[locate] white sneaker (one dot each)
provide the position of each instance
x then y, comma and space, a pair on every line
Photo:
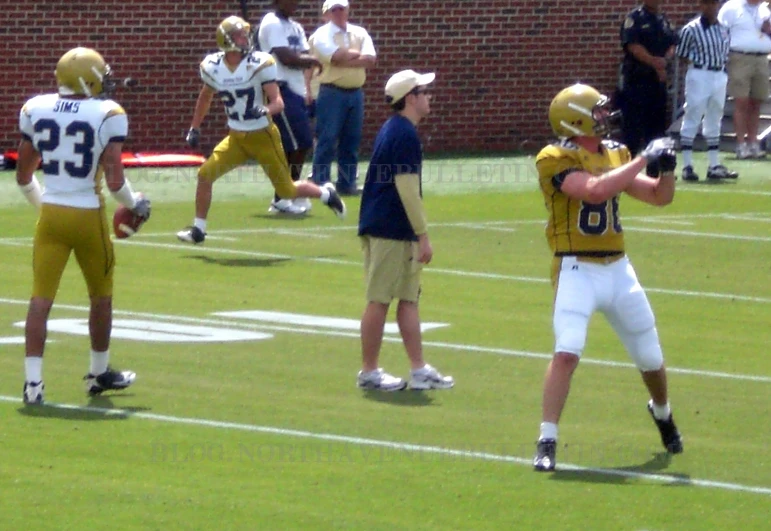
756, 152
303, 202
379, 380
743, 151
33, 392
429, 378
286, 206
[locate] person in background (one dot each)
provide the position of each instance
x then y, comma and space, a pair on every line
284, 38
346, 51
749, 23
247, 79
649, 42
703, 42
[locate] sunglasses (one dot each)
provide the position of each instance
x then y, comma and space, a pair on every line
336, 9
419, 91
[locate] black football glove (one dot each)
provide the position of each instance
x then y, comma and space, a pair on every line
657, 148
193, 137
142, 208
668, 161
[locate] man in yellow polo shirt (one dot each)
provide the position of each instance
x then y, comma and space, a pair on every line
346, 52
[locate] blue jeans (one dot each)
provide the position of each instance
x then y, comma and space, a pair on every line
339, 121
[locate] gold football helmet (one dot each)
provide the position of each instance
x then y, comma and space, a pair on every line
580, 110
234, 34
83, 71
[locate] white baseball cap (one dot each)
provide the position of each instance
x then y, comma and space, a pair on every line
329, 4
401, 83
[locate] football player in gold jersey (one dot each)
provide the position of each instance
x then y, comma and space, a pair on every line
582, 177
75, 136
245, 81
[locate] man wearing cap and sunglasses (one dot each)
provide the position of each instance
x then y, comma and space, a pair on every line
345, 51
394, 237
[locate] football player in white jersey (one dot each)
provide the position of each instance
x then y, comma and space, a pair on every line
284, 38
75, 136
245, 81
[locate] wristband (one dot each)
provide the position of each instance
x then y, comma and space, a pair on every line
32, 192
125, 196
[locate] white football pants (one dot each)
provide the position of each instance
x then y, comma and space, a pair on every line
705, 92
613, 289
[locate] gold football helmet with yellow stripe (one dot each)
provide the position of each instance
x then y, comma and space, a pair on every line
580, 110
83, 71
234, 34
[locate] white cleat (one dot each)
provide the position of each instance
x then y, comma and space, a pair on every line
379, 380
287, 206
429, 378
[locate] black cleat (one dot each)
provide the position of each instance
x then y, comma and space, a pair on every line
334, 202
108, 380
545, 455
690, 175
670, 437
721, 172
191, 234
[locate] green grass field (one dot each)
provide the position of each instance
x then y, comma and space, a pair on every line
254, 422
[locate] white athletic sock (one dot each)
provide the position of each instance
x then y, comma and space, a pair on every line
712, 154
200, 223
33, 368
99, 362
324, 195
660, 412
687, 157
548, 431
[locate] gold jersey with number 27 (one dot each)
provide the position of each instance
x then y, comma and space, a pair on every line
576, 227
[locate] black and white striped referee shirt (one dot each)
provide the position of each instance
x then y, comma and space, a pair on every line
705, 45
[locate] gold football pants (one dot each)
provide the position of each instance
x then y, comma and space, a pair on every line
61, 230
264, 146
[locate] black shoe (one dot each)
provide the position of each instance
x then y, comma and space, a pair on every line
108, 380
334, 202
191, 234
689, 174
670, 437
721, 172
545, 455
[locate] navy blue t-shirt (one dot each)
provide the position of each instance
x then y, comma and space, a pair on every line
397, 151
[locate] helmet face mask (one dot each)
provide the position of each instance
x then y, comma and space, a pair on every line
83, 72
580, 110
234, 34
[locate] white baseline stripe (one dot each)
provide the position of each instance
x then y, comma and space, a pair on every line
404, 447
436, 344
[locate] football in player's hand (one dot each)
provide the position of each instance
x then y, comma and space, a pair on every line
125, 223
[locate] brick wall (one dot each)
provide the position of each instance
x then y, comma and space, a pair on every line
498, 63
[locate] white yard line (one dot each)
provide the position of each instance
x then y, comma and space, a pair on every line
354, 335
449, 453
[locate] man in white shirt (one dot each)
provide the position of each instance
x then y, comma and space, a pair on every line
749, 22
346, 51
284, 38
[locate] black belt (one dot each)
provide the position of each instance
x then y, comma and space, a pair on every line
710, 68
749, 53
330, 85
